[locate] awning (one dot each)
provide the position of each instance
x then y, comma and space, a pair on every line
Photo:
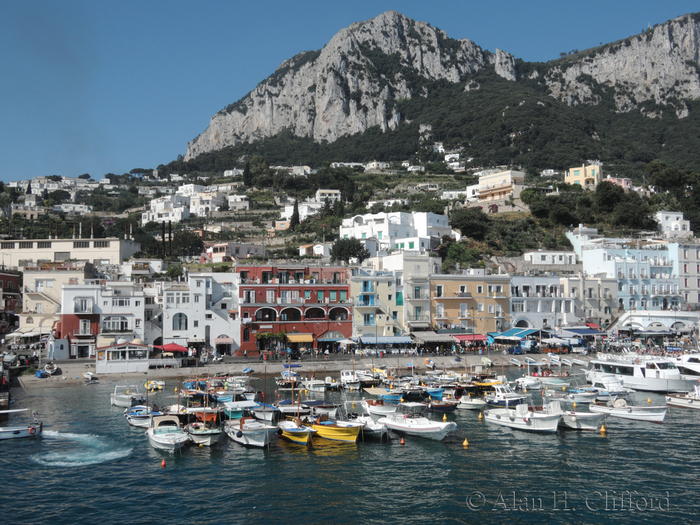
418, 324
300, 338
470, 337
223, 341
593, 325
196, 340
330, 339
520, 333
508, 337
432, 337
581, 331
386, 340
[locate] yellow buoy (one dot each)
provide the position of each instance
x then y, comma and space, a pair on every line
480, 415
465, 443
444, 417
201, 445
649, 400
563, 389
525, 390
602, 429
574, 405
175, 389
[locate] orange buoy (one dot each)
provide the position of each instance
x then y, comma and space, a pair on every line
402, 443
162, 463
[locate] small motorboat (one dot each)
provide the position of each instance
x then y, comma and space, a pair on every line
337, 431
154, 386
530, 382
470, 403
51, 368
410, 419
620, 408
377, 408
205, 430
521, 418
442, 406
503, 396
689, 400
249, 432
570, 419
33, 429
127, 395
356, 412
165, 433
140, 415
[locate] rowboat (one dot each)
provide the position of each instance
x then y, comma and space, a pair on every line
295, 432
570, 419
522, 418
249, 432
33, 429
470, 403
335, 431
51, 368
140, 415
620, 408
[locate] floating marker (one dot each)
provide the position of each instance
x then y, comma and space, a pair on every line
402, 444
574, 405
480, 415
162, 463
649, 400
465, 443
201, 445
602, 429
444, 417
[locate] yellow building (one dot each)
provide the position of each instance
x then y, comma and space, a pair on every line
474, 301
585, 176
378, 311
501, 185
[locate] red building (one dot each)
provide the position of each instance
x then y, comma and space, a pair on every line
10, 299
311, 304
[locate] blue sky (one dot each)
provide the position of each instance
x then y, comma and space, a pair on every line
107, 86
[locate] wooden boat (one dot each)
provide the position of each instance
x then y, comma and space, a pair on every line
356, 412
620, 408
51, 368
521, 418
165, 433
33, 429
442, 406
336, 432
249, 432
295, 432
206, 429
689, 400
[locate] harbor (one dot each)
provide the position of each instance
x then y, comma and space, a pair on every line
634, 471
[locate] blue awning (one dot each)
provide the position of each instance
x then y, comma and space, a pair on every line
582, 331
392, 340
515, 332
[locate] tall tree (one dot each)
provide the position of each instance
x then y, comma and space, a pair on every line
294, 221
346, 249
247, 176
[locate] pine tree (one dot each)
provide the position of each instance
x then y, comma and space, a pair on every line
247, 176
294, 221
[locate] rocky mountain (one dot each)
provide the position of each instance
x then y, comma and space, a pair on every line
358, 80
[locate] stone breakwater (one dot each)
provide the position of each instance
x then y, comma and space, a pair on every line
71, 372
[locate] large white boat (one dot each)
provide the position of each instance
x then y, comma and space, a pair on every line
33, 429
620, 408
689, 400
249, 432
609, 387
377, 408
641, 372
689, 366
521, 418
164, 433
126, 395
409, 419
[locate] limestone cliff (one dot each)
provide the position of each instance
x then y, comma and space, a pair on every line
352, 84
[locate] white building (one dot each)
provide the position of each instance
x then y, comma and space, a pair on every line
204, 203
323, 195
306, 210
672, 224
540, 302
238, 202
171, 208
416, 230
233, 173
377, 165
197, 311
73, 209
550, 258
190, 190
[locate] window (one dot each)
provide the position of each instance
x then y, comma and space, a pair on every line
491, 309
462, 288
368, 319
480, 289
208, 316
115, 323
463, 310
438, 290
101, 244
196, 298
440, 310
180, 321
480, 307
399, 298
307, 294
332, 296
137, 323
195, 324
246, 335
81, 244
43, 244
121, 302
343, 296
319, 296
270, 296
26, 245
7, 245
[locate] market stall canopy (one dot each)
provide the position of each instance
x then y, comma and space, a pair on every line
171, 347
345, 342
432, 337
520, 333
300, 338
470, 337
386, 340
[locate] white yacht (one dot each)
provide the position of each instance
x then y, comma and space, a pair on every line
689, 366
641, 372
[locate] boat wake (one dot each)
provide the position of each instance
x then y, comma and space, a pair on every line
81, 450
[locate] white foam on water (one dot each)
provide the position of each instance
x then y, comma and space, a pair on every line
92, 451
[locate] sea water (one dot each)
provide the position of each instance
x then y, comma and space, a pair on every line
91, 467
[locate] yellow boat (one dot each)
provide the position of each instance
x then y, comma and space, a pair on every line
153, 386
341, 431
294, 432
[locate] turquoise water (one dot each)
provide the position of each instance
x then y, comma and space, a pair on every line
91, 466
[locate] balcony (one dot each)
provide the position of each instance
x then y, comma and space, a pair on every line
465, 295
79, 332
423, 296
